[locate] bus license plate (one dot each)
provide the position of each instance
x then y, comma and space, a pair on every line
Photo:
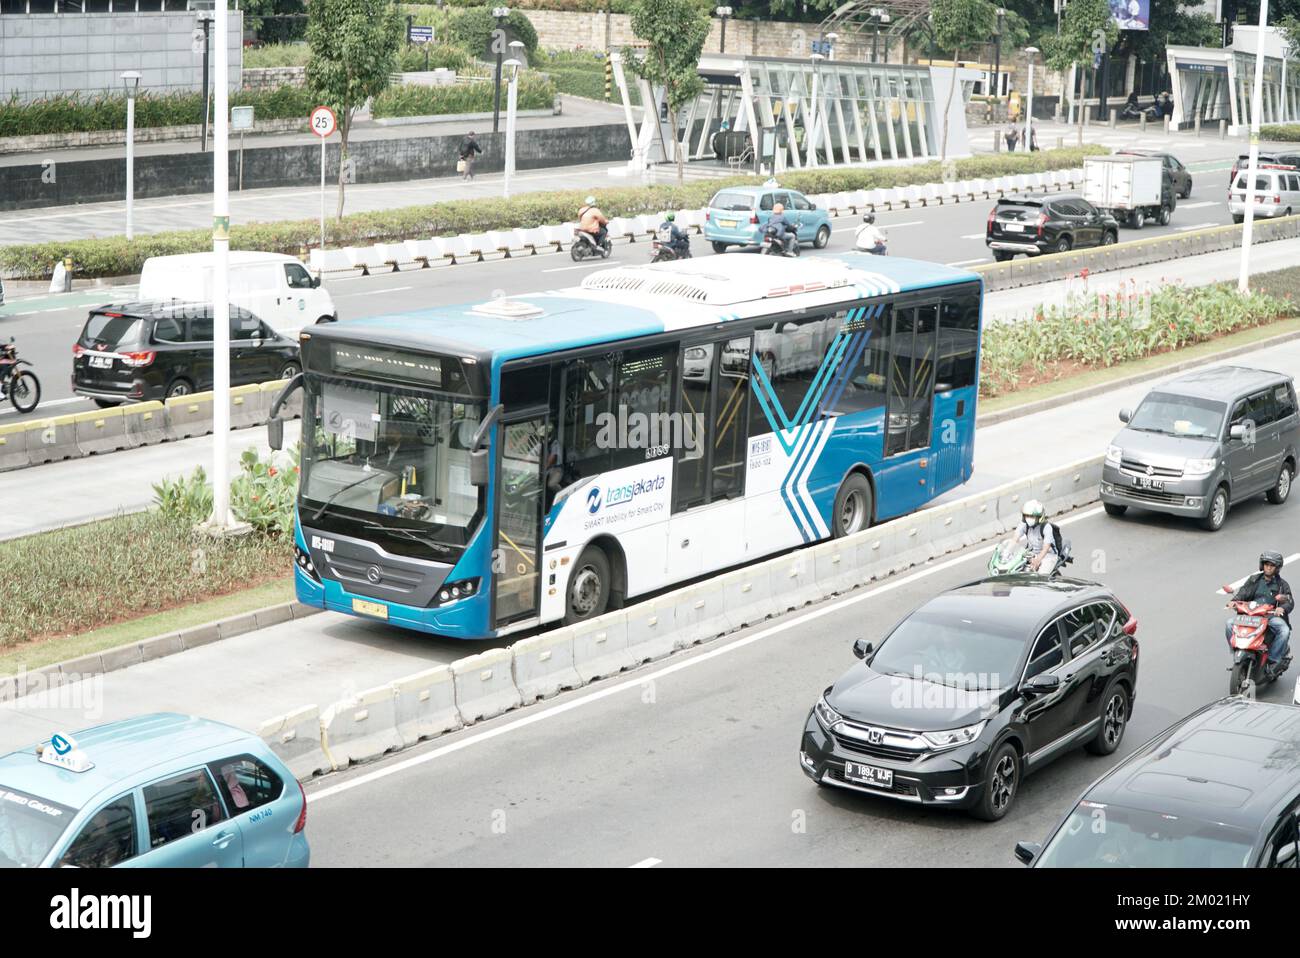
868, 775
727, 223
1142, 482
370, 608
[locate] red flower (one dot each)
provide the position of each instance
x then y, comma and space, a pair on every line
255, 498
295, 470
1171, 326
271, 472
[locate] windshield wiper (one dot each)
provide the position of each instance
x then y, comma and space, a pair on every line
415, 535
330, 501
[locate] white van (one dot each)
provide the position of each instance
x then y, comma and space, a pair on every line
273, 287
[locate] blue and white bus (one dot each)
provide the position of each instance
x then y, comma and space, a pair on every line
475, 471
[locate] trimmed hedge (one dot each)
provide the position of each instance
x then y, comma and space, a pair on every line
113, 256
81, 114
573, 6
1282, 133
446, 56
535, 93
472, 28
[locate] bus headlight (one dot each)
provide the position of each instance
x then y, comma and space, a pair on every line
451, 592
304, 563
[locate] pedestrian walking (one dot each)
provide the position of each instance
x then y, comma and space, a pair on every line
1033, 135
469, 148
1012, 136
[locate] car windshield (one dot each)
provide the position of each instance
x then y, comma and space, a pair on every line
392, 459
1179, 416
1112, 836
734, 202
965, 652
29, 827
112, 331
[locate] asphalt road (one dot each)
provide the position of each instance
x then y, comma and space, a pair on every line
693, 761
45, 327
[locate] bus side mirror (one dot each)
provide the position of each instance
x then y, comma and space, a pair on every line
275, 433
478, 467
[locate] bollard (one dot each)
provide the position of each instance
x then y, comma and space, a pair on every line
997, 141
1166, 121
1196, 125
1114, 117
1223, 129
1087, 115
1060, 142
1142, 122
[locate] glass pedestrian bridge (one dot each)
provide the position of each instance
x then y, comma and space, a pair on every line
771, 114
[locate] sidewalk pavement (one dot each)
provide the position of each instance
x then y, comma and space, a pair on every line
320, 659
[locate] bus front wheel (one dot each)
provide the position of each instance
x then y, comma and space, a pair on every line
589, 586
852, 506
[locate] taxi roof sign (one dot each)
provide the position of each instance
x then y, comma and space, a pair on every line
62, 752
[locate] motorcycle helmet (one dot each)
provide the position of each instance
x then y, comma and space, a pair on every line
670, 217
869, 218
1032, 512
1274, 558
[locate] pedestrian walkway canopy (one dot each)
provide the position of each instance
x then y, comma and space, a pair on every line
1217, 85
776, 113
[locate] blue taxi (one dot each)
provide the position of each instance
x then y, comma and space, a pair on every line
736, 215
157, 791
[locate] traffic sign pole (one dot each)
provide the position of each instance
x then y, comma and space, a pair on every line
322, 123
322, 199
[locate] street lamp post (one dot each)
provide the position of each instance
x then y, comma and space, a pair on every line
500, 13
878, 16
131, 81
997, 57
813, 118
512, 101
1029, 100
830, 49
1252, 165
220, 274
723, 13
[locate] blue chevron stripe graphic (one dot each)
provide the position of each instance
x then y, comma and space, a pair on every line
789, 492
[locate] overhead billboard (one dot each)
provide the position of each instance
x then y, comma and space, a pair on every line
1131, 14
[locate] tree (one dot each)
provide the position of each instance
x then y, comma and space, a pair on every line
674, 32
287, 19
960, 24
1086, 29
353, 50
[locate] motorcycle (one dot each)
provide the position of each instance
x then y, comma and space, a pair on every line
584, 245
1249, 644
20, 385
1010, 558
665, 253
773, 246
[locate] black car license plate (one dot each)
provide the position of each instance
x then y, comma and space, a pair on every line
101, 362
1143, 482
868, 775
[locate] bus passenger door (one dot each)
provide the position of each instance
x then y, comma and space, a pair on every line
515, 578
909, 411
954, 389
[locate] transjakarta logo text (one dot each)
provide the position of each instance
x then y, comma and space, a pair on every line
629, 491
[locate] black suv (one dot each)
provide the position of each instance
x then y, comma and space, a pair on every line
159, 350
975, 688
1046, 224
1219, 789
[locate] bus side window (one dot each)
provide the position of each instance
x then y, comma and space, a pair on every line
790, 353
645, 395
959, 323
588, 387
864, 387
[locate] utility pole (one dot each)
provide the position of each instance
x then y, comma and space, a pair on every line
207, 26
1252, 165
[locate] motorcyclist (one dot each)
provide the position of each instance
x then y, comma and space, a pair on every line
1267, 586
869, 237
673, 236
1039, 537
784, 231
592, 220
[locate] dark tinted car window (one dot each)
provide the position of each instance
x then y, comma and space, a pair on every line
180, 806
246, 783
734, 202
1259, 409
107, 839
766, 202
168, 329
1046, 654
296, 276
1284, 400
244, 325
799, 202
112, 331
201, 329
1080, 629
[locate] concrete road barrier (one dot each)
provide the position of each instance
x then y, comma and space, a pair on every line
600, 646
650, 629
189, 416
102, 430
699, 614
425, 705
544, 666
793, 581
296, 738
248, 407
361, 728
52, 440
145, 423
747, 596
485, 685
13, 446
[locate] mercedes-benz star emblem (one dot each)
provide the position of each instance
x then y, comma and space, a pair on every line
373, 574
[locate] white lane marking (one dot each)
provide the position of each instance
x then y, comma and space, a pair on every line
601, 262
1198, 205
975, 235
894, 226
640, 681
52, 402
965, 262
1195, 226
647, 863
386, 289
1233, 587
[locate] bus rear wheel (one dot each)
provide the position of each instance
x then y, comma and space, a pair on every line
589, 586
852, 506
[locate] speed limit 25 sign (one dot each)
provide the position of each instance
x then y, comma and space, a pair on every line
323, 122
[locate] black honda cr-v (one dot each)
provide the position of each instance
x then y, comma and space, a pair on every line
975, 688
142, 351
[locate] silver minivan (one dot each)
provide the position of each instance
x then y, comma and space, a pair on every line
1277, 193
1199, 444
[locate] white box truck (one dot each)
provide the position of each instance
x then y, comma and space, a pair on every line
273, 287
1133, 189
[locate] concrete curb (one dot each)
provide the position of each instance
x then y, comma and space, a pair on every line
1043, 405
146, 650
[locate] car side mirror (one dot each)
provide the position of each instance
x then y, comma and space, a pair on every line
862, 648
1237, 431
315, 281
275, 433
1045, 682
1125, 414
1026, 852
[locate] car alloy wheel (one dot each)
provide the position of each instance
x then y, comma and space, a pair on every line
1002, 784
1114, 719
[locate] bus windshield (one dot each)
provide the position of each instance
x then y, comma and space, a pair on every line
393, 461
